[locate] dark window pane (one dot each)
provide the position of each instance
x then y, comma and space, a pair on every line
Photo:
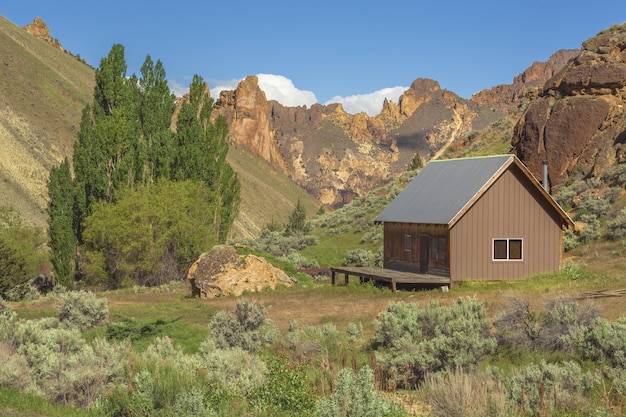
433, 248
442, 248
407, 243
499, 249
515, 249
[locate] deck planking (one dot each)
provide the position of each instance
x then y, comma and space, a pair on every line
388, 275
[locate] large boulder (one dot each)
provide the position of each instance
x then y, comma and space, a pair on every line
224, 272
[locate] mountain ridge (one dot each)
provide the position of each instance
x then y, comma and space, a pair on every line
320, 153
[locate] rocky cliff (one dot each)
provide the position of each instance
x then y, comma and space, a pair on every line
577, 121
337, 156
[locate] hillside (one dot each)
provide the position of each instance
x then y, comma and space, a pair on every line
43, 91
42, 94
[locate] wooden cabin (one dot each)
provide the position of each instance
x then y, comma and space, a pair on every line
484, 218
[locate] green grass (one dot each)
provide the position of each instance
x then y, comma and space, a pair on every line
331, 250
16, 403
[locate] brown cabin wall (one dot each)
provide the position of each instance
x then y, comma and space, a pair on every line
397, 258
510, 208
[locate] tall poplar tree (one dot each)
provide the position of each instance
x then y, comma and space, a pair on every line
201, 149
156, 107
61, 233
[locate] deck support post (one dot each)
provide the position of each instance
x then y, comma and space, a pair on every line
332, 276
346, 278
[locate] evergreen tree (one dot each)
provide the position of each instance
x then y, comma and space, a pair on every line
105, 154
157, 105
297, 222
202, 147
62, 239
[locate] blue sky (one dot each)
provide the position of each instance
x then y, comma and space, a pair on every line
354, 52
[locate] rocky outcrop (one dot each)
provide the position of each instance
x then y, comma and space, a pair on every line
40, 30
578, 119
533, 77
337, 156
223, 272
246, 112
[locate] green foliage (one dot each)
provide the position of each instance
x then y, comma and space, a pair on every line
602, 341
360, 257
237, 370
125, 146
190, 403
297, 223
57, 363
616, 228
201, 148
241, 328
13, 269
570, 240
284, 246
61, 233
286, 390
23, 256
150, 236
416, 162
81, 309
355, 396
411, 342
546, 388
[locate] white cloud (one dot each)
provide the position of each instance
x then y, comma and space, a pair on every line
281, 89
177, 89
222, 85
371, 103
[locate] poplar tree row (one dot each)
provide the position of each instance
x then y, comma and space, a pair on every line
129, 141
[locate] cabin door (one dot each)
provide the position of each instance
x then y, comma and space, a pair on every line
424, 253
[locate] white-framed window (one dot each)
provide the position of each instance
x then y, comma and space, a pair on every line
407, 243
506, 249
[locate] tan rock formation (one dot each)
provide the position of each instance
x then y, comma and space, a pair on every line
578, 120
40, 30
223, 272
245, 110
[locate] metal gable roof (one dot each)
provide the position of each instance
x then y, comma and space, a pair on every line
442, 189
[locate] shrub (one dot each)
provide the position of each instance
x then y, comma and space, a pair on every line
458, 393
235, 369
62, 366
590, 232
356, 396
412, 342
540, 389
570, 240
81, 309
359, 257
190, 403
520, 328
602, 341
299, 261
241, 328
616, 228
286, 390
13, 269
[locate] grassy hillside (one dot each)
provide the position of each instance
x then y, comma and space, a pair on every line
42, 94
266, 195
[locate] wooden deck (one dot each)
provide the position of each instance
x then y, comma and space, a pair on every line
388, 275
